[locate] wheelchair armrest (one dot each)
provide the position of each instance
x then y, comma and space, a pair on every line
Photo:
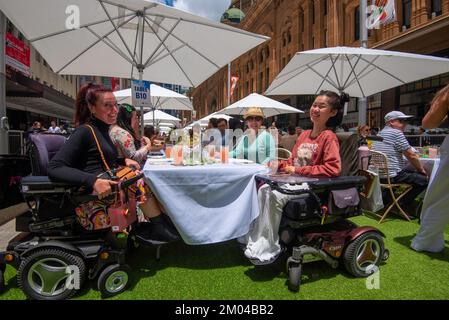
42, 184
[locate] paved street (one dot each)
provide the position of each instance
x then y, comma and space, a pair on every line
8, 224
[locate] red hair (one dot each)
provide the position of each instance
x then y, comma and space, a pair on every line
88, 95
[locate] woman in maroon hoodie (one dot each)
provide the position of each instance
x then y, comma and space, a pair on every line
315, 154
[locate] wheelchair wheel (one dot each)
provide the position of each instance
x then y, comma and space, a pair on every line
113, 280
294, 276
364, 254
51, 274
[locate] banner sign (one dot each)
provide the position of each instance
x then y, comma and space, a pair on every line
380, 13
141, 95
17, 54
234, 81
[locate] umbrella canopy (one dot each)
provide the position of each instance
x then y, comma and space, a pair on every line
358, 72
159, 116
268, 106
161, 98
128, 39
203, 122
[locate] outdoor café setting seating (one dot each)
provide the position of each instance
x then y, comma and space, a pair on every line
314, 224
379, 161
52, 245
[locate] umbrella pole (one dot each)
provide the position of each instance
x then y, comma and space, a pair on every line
142, 120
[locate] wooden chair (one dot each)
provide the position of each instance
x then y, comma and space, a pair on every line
283, 154
380, 161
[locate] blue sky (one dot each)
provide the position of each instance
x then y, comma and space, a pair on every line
212, 9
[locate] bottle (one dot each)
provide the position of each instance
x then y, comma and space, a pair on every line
363, 155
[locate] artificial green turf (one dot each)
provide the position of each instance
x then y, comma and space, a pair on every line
221, 272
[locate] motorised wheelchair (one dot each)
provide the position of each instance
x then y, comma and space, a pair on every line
314, 223
53, 254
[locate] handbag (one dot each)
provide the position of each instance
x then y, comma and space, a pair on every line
117, 213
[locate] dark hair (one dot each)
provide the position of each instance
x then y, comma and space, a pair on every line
149, 131
124, 116
88, 94
291, 129
235, 124
337, 102
222, 120
213, 122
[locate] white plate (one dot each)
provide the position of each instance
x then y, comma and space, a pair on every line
159, 161
240, 161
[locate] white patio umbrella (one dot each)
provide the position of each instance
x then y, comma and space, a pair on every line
268, 106
358, 72
156, 117
203, 122
128, 39
161, 98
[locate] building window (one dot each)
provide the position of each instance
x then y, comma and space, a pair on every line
406, 13
301, 21
10, 27
325, 7
267, 78
325, 39
435, 7
313, 13
260, 82
357, 24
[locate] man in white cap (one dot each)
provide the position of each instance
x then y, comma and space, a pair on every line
396, 146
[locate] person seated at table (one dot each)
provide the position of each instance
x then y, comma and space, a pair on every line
289, 140
124, 136
81, 160
150, 133
315, 154
256, 144
395, 146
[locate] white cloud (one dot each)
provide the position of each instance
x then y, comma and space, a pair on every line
212, 9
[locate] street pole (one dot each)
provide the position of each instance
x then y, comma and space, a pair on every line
4, 148
363, 102
229, 84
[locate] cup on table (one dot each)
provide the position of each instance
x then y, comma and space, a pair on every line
224, 154
177, 155
169, 151
433, 153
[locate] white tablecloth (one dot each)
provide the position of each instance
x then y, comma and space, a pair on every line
208, 204
430, 164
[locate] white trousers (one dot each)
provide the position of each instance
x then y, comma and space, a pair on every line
262, 241
435, 211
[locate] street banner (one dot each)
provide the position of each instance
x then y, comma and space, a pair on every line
234, 81
380, 13
17, 54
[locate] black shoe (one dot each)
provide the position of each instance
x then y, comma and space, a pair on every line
169, 224
154, 232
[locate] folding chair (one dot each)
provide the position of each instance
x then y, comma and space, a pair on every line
380, 161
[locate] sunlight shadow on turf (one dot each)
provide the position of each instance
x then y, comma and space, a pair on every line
407, 240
